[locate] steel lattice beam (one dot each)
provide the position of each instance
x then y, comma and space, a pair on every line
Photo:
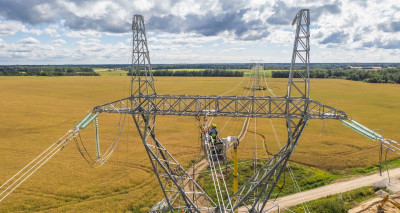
224, 106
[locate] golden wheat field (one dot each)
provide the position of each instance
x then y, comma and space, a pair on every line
36, 111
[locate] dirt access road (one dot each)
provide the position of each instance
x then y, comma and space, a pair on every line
334, 188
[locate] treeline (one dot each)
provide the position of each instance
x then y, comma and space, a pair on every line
202, 66
46, 71
202, 73
371, 76
269, 66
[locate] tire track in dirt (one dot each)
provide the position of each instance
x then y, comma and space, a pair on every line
264, 142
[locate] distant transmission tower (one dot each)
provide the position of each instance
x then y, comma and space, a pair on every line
257, 75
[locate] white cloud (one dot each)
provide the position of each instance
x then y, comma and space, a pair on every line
235, 49
95, 9
86, 51
193, 46
238, 49
353, 30
184, 8
83, 34
281, 36
29, 40
51, 30
358, 26
58, 42
8, 28
182, 38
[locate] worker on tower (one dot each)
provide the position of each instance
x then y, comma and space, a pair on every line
213, 132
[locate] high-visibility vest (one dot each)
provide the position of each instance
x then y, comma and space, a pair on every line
213, 132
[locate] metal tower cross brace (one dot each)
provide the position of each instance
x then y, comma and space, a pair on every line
177, 185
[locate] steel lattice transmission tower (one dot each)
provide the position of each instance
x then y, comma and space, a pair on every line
263, 182
257, 76
180, 190
171, 176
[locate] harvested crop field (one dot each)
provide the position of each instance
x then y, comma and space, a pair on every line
36, 111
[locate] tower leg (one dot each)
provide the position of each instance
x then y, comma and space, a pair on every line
177, 185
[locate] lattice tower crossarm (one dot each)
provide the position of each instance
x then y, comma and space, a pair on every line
224, 106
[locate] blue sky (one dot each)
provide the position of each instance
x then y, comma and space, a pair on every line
192, 31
